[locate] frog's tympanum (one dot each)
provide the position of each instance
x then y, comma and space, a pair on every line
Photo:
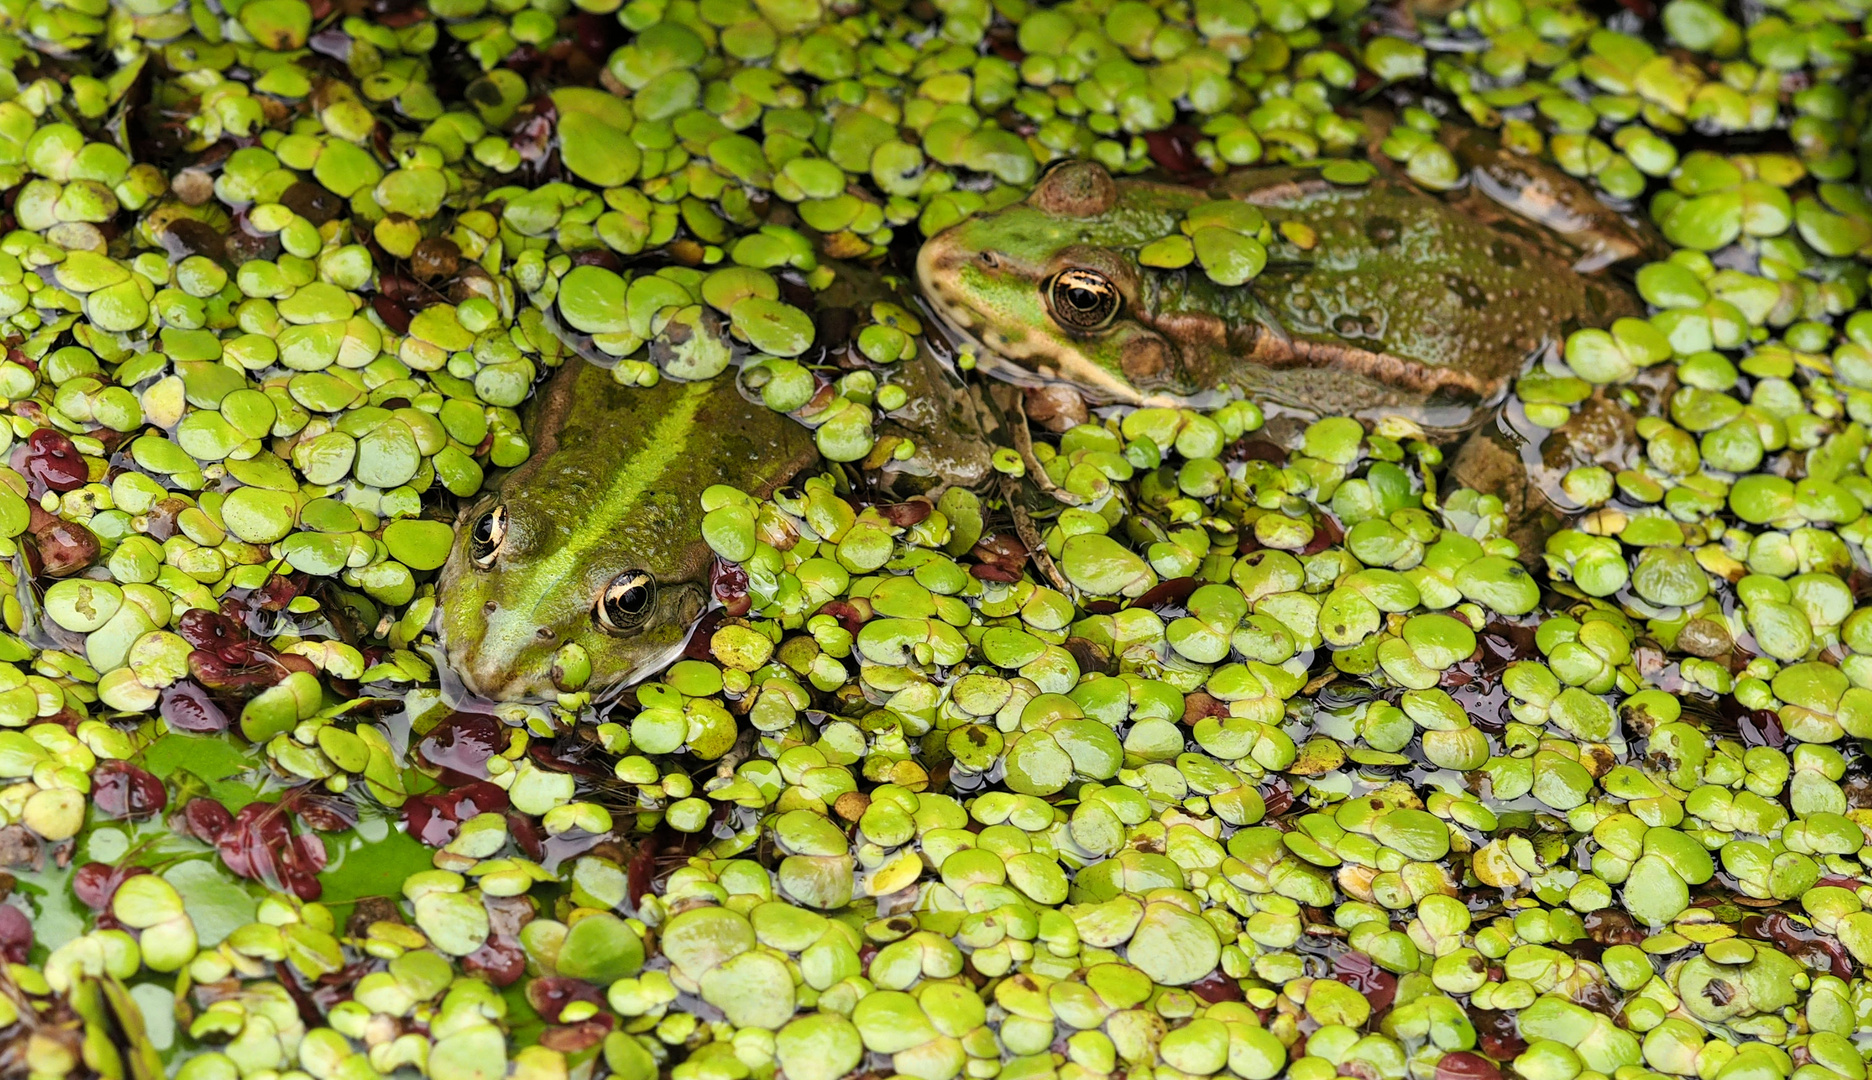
1377, 299
596, 540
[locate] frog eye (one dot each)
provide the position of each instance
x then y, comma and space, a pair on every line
1082, 299
487, 536
626, 602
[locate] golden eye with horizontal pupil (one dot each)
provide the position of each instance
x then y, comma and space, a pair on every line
1082, 299
487, 536
626, 601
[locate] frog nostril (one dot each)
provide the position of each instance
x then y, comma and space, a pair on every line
489, 608
545, 633
990, 260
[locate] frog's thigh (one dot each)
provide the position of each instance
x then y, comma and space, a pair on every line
1488, 462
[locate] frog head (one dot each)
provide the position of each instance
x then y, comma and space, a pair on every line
585, 568
532, 603
1051, 285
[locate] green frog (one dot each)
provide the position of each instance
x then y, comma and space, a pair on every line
1378, 299
596, 540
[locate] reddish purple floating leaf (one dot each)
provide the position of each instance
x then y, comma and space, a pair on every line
95, 883
1462, 1065
186, 706
205, 820
462, 744
125, 792
53, 463
500, 958
16, 934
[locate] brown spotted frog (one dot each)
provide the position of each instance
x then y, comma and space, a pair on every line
1378, 299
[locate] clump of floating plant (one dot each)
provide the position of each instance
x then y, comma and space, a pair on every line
1226, 238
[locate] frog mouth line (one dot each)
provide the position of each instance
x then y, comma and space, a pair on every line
997, 363
539, 686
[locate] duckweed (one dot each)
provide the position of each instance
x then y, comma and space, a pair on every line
1188, 741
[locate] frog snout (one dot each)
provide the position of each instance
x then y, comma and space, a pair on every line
937, 261
501, 655
490, 677
941, 263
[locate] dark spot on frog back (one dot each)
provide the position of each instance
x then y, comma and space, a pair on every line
1350, 325
1383, 230
1608, 300
1505, 255
1473, 296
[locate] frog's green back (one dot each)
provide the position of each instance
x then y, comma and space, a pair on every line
613, 487
632, 454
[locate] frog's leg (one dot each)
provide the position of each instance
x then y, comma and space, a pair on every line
951, 425
1012, 401
1490, 460
1542, 195
1029, 534
1055, 408
953, 430
1505, 184
1526, 472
